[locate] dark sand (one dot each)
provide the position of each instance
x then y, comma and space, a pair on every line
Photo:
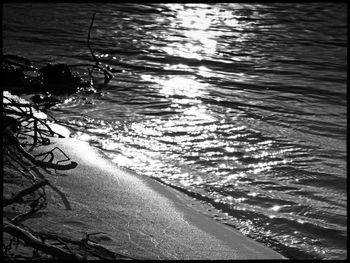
139, 217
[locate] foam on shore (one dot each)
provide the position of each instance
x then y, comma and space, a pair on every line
139, 217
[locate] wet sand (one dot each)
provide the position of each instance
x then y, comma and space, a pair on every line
136, 215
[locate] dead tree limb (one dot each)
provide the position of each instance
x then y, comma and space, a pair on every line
107, 75
14, 158
20, 194
46, 77
35, 206
34, 242
62, 195
31, 158
88, 41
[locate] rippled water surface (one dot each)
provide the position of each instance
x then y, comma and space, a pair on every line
241, 105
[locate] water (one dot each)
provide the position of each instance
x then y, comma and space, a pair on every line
242, 106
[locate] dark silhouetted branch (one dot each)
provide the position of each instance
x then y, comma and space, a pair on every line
88, 41
34, 242
24, 192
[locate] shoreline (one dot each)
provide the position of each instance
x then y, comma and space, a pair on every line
144, 219
127, 213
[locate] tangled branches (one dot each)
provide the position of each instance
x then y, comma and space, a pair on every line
25, 182
21, 121
21, 76
61, 247
25, 174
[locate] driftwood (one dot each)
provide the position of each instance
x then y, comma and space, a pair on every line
88, 41
62, 195
20, 122
32, 197
97, 250
35, 205
56, 166
108, 76
84, 246
53, 78
40, 163
22, 193
23, 117
36, 243
22, 131
25, 172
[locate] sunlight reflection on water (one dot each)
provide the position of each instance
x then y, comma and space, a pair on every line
232, 101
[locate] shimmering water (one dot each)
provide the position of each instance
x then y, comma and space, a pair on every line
241, 105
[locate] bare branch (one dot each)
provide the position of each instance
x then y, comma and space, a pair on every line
34, 242
27, 191
88, 42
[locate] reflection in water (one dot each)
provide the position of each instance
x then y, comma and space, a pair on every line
181, 86
192, 22
244, 104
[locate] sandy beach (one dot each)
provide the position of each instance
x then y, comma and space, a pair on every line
135, 216
129, 214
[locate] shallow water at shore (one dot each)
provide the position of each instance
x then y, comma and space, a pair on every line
242, 106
